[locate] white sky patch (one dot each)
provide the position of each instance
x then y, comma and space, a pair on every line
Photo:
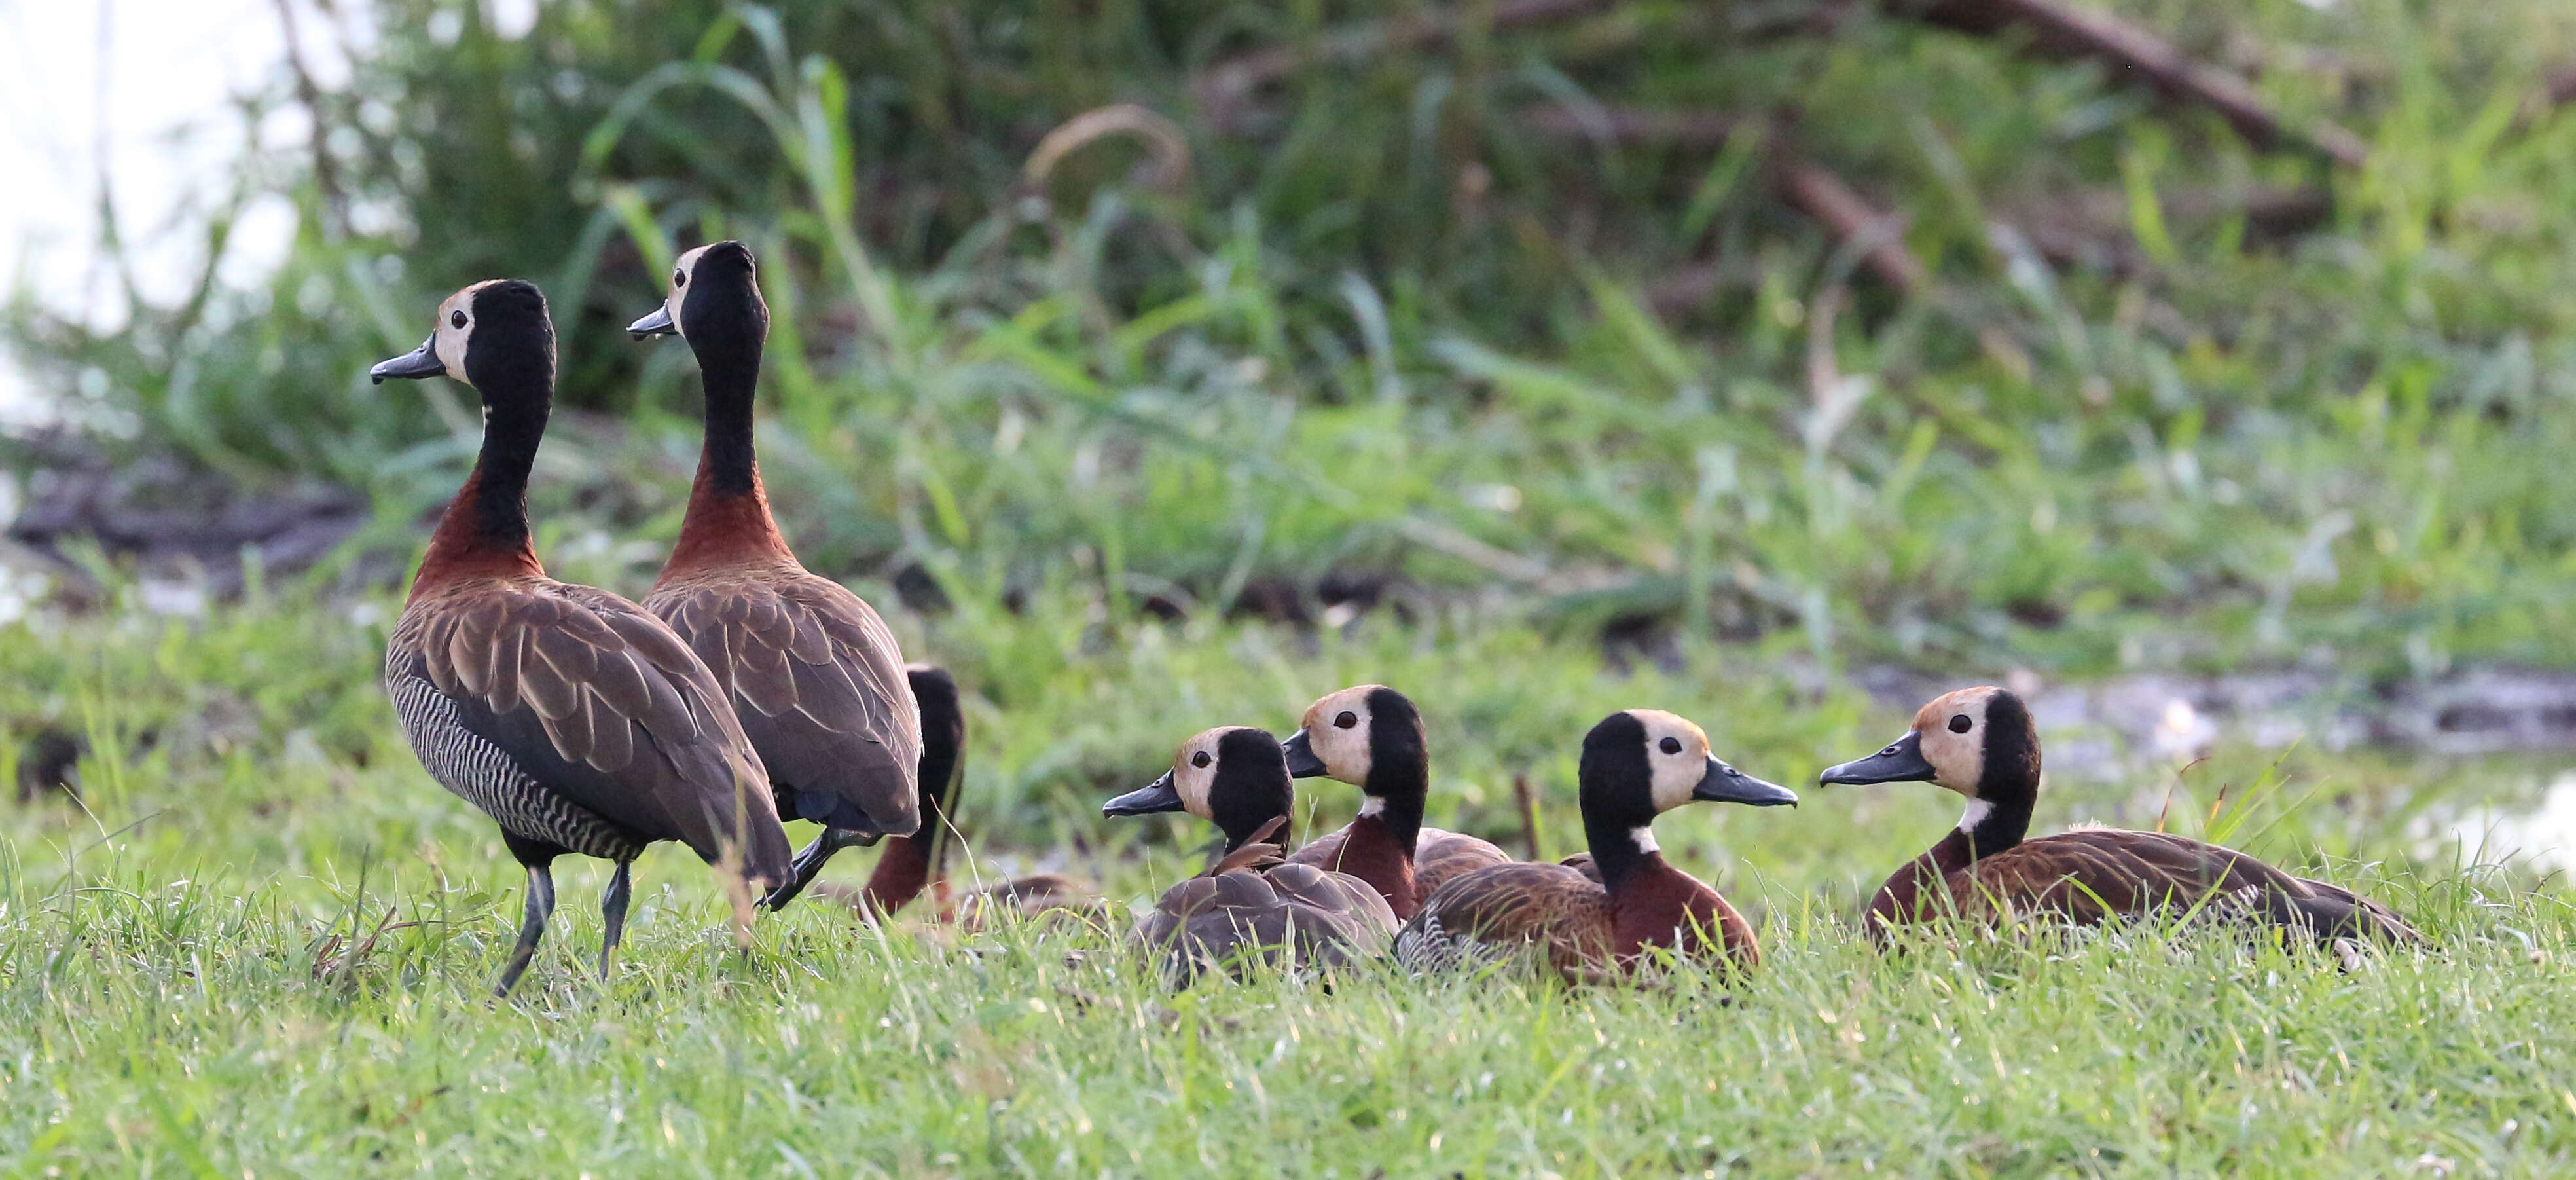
142, 93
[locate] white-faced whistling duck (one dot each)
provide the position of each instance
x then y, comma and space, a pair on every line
1251, 905
1636, 765
1371, 737
1980, 743
910, 864
814, 673
574, 718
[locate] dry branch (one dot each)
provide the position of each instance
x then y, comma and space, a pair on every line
2057, 29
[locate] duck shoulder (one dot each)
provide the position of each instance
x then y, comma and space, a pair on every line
1440, 857
2095, 874
575, 718
1256, 914
820, 686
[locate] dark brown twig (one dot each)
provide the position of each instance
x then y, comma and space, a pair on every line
2057, 29
326, 172
1528, 800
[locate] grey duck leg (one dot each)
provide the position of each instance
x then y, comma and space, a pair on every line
541, 906
612, 909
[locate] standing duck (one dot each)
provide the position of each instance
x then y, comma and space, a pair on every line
1980, 743
1370, 736
1636, 765
575, 719
1251, 903
911, 864
813, 672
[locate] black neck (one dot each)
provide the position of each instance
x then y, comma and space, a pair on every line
2005, 823
1399, 778
511, 432
731, 369
1615, 852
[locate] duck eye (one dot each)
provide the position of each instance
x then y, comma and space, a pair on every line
679, 278
1670, 745
1346, 720
456, 319
1959, 723
1200, 759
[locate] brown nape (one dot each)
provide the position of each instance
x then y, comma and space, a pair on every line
1593, 921
1986, 871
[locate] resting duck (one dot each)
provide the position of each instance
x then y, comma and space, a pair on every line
575, 719
813, 672
1980, 743
1251, 903
911, 864
1371, 737
1636, 765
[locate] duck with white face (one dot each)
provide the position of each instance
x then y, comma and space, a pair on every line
1371, 737
1251, 907
1636, 765
1980, 743
815, 675
572, 717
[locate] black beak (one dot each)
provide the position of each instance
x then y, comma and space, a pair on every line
416, 364
657, 324
1901, 762
1156, 796
1726, 784
1302, 762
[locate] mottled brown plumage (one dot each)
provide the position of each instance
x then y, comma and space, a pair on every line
1980, 743
574, 718
1588, 926
1251, 906
1371, 736
814, 673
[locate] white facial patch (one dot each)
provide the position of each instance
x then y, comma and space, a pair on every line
1957, 755
1343, 749
1978, 810
1372, 805
682, 272
1194, 771
1676, 754
1644, 839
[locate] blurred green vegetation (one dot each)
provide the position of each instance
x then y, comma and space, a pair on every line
1389, 331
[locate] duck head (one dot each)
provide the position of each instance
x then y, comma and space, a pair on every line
1354, 734
1640, 763
1976, 741
494, 336
1232, 776
714, 297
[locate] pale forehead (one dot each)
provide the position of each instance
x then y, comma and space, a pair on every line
1971, 701
465, 298
689, 261
1354, 698
1205, 740
1660, 723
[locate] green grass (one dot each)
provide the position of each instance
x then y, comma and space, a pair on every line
264, 946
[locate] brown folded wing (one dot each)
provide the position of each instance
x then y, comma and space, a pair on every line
590, 700
1441, 857
1496, 912
820, 686
2092, 875
1239, 916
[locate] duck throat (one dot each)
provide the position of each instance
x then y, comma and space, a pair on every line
1995, 821
1625, 853
484, 532
728, 519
